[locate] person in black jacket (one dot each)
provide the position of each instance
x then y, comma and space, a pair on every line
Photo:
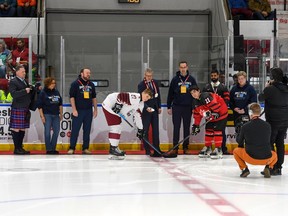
179, 104
256, 136
275, 96
215, 86
20, 113
151, 118
51, 112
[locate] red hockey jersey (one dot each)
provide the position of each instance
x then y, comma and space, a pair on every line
209, 102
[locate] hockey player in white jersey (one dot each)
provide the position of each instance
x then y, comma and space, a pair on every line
126, 104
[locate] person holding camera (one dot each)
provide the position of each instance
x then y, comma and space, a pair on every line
124, 104
275, 96
214, 109
256, 136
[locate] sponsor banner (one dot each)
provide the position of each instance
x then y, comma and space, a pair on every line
277, 4
99, 130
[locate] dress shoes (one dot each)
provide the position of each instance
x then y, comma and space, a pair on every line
21, 151
53, 152
155, 154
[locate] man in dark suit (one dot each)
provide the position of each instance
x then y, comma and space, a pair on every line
20, 114
151, 118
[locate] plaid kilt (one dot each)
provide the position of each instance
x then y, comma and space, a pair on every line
20, 118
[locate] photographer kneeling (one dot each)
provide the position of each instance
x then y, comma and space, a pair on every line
256, 136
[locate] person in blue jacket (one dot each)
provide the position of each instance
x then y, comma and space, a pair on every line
51, 112
179, 104
241, 95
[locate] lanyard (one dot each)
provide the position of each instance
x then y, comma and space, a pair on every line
183, 83
153, 85
84, 87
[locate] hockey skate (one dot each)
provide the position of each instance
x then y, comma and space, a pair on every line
115, 153
216, 154
205, 152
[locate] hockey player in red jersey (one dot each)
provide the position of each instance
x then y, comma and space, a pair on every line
214, 109
123, 104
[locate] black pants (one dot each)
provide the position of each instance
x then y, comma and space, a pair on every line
153, 119
180, 113
278, 134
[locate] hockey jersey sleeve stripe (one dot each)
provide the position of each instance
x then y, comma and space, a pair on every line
123, 98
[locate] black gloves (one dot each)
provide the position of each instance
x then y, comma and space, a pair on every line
140, 134
211, 116
195, 129
117, 108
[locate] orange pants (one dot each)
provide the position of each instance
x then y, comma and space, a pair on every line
241, 157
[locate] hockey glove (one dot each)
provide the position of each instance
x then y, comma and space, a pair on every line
140, 134
211, 116
195, 129
117, 108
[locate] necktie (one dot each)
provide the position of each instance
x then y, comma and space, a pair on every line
150, 85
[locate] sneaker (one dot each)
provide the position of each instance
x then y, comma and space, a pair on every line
245, 172
277, 171
70, 151
205, 152
216, 154
87, 152
273, 172
266, 172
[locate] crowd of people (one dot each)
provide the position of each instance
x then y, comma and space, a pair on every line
18, 8
184, 101
251, 9
9, 60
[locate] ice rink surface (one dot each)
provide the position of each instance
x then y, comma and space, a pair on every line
85, 185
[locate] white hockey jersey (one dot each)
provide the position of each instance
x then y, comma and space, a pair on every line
132, 105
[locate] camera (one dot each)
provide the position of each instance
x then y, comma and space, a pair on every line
240, 121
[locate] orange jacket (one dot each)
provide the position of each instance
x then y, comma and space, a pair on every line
22, 2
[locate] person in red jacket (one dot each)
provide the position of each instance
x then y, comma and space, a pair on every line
20, 56
26, 8
214, 109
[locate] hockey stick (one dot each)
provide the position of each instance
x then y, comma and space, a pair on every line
123, 117
183, 140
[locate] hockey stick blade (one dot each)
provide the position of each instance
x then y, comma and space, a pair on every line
183, 140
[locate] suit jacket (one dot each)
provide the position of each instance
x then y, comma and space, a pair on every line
17, 88
154, 102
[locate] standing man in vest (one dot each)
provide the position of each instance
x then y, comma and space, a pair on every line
151, 118
82, 98
179, 104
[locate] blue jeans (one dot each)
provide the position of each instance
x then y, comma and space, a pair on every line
51, 122
84, 118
